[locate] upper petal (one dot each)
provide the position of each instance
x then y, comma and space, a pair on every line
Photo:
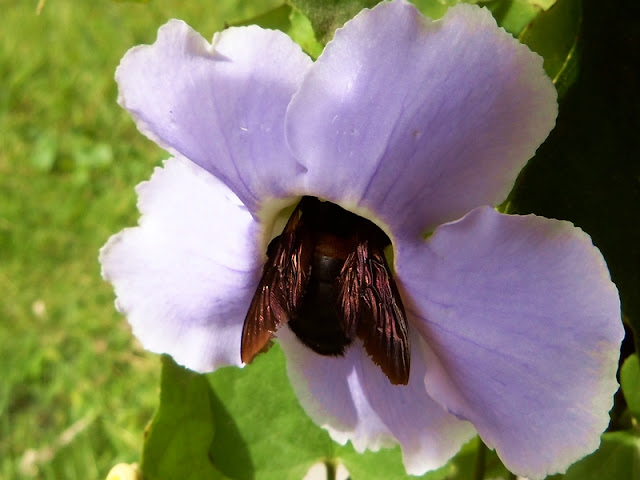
420, 121
354, 400
522, 327
220, 105
185, 277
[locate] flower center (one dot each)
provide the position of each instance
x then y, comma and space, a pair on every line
327, 278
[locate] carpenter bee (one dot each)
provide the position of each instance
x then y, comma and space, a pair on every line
327, 278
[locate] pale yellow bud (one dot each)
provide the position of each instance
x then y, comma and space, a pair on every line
125, 471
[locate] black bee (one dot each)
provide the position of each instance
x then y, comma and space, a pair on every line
327, 278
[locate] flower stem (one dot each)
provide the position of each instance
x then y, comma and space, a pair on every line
331, 470
481, 458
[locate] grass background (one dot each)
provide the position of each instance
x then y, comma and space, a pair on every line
75, 389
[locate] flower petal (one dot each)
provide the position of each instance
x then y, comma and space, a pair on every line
420, 121
220, 105
522, 327
354, 400
185, 277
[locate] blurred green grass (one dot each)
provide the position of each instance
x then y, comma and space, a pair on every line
75, 389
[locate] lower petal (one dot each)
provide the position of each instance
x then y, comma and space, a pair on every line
186, 275
522, 328
354, 400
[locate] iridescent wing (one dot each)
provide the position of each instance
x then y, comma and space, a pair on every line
281, 288
373, 311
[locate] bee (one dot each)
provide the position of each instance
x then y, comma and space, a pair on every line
327, 279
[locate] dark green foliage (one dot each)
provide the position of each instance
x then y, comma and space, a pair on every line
588, 170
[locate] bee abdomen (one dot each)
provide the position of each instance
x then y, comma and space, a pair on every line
317, 323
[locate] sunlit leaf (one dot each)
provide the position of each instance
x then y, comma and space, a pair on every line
617, 458
302, 33
263, 433
291, 21
465, 464
515, 15
386, 463
247, 424
512, 15
630, 383
178, 439
433, 9
328, 15
555, 35
255, 405
277, 18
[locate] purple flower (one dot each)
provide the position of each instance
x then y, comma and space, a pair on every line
419, 126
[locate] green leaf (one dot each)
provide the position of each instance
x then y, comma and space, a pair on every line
515, 15
290, 21
618, 458
587, 171
630, 383
328, 15
301, 31
386, 463
276, 19
247, 424
433, 9
512, 15
178, 438
555, 35
464, 464
263, 433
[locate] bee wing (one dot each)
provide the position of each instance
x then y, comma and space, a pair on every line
265, 315
374, 312
281, 288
